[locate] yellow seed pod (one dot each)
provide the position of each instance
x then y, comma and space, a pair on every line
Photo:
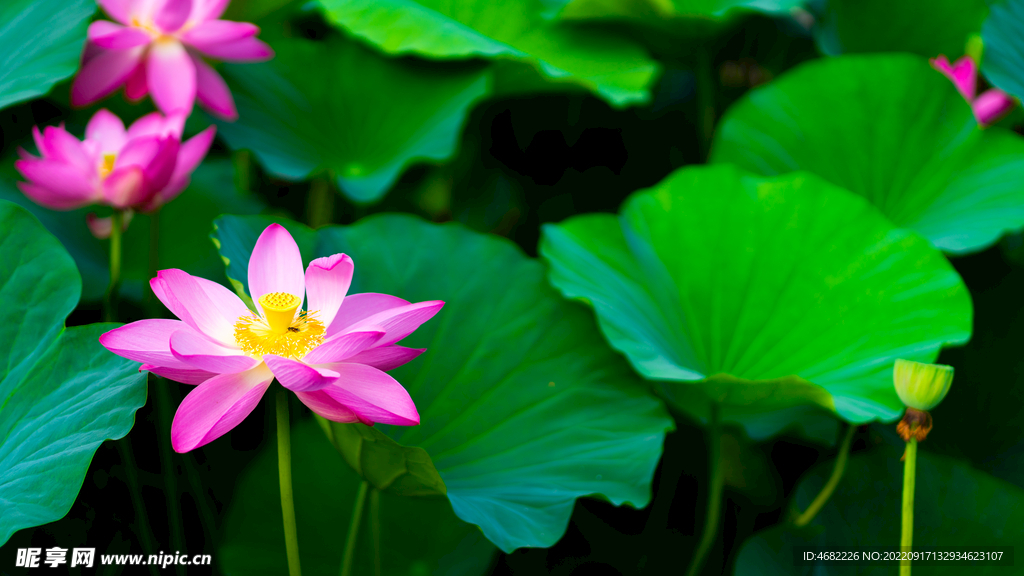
922, 386
279, 310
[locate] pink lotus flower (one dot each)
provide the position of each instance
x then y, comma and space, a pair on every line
141, 168
332, 356
158, 47
991, 105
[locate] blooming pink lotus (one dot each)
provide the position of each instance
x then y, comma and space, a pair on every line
990, 105
158, 47
333, 355
140, 168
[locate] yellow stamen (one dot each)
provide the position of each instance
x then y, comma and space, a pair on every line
107, 165
280, 331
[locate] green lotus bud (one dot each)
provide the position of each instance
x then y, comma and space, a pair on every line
921, 386
975, 47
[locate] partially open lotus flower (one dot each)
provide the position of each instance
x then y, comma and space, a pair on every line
333, 355
991, 105
140, 168
157, 47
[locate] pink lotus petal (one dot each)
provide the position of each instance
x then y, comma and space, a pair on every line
297, 376
327, 283
372, 395
216, 406
321, 403
102, 227
357, 307
203, 10
37, 136
183, 375
59, 178
106, 129
170, 15
275, 265
963, 73
200, 352
991, 106
157, 125
135, 87
53, 200
218, 32
110, 36
66, 148
103, 74
171, 77
399, 322
206, 306
344, 346
244, 50
125, 187
190, 155
386, 357
145, 341
213, 92
120, 10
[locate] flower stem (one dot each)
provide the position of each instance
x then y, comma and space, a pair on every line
154, 260
714, 493
833, 481
320, 203
110, 298
705, 101
909, 474
353, 529
375, 529
284, 467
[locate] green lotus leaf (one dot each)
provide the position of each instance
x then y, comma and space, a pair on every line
523, 407
40, 45
614, 68
668, 9
184, 229
905, 140
924, 27
766, 296
1003, 35
62, 393
417, 535
955, 505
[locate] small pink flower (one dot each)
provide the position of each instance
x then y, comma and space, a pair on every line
991, 105
141, 168
158, 47
333, 356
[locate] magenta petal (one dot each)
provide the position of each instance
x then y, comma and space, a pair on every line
992, 105
386, 357
106, 129
203, 10
171, 77
399, 322
217, 32
103, 74
372, 394
155, 155
244, 50
200, 352
216, 406
110, 36
297, 376
183, 375
66, 148
327, 282
145, 341
204, 305
357, 307
343, 346
135, 87
157, 125
60, 179
190, 155
170, 15
52, 199
321, 403
275, 265
120, 10
125, 187
213, 92
102, 227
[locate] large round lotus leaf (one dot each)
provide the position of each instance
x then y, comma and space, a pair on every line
417, 535
762, 295
63, 394
612, 67
893, 130
1003, 35
955, 505
523, 406
184, 231
361, 117
40, 45
924, 27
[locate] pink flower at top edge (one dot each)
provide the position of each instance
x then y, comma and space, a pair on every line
157, 48
140, 168
333, 356
990, 105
